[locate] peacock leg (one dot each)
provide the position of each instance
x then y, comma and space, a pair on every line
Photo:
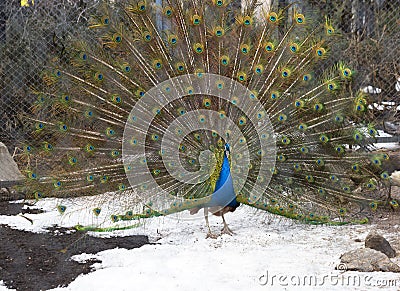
209, 234
226, 228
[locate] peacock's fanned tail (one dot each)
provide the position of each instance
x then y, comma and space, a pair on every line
171, 85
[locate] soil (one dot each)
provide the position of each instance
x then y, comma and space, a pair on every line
42, 261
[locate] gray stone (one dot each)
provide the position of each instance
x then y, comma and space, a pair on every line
377, 242
368, 260
395, 243
395, 178
9, 173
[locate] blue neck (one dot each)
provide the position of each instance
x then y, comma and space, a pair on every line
224, 194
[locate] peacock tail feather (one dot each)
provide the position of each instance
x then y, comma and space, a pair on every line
140, 119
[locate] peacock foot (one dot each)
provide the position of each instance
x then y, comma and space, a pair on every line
227, 230
211, 235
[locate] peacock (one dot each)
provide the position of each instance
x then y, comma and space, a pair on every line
200, 104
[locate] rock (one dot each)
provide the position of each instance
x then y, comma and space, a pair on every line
9, 194
9, 173
395, 193
395, 178
395, 243
379, 243
368, 260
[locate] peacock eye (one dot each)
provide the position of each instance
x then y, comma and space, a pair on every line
196, 20
61, 208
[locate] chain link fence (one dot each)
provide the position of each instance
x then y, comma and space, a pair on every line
31, 31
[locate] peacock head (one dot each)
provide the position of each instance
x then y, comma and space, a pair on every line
227, 148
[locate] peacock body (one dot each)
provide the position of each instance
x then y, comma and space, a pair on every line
198, 104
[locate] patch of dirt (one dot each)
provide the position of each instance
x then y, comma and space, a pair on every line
41, 261
7, 208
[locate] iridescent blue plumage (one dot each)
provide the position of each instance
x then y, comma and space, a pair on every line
224, 194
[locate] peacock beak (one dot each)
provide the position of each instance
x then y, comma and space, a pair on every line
227, 149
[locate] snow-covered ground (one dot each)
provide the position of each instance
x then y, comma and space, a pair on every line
386, 145
266, 253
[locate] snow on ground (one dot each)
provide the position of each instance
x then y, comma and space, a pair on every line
267, 253
389, 146
3, 288
386, 145
381, 133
